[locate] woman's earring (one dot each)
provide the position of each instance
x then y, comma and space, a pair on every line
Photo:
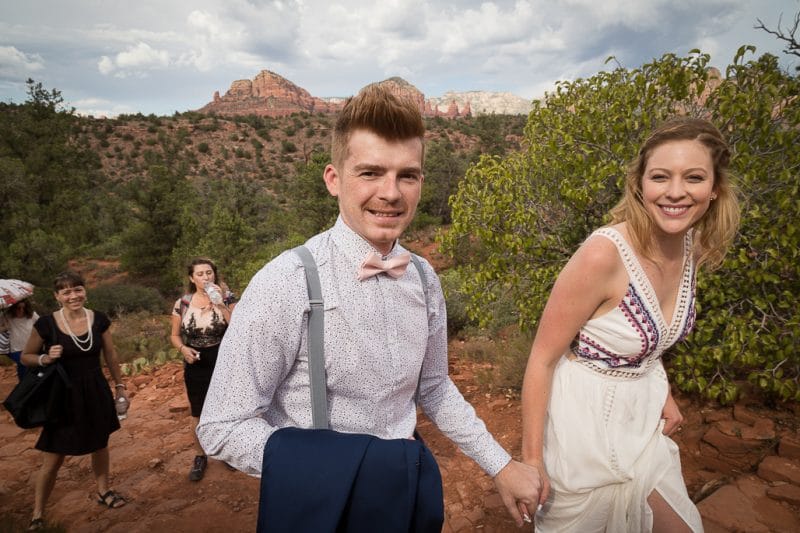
713, 196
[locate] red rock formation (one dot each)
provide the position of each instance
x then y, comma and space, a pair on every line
452, 110
402, 89
268, 94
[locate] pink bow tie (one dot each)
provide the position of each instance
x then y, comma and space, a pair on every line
373, 264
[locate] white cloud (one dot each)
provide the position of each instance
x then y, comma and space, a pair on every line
405, 19
16, 65
99, 107
166, 55
241, 33
490, 25
142, 56
136, 60
106, 65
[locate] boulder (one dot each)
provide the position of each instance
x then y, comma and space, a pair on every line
789, 447
776, 468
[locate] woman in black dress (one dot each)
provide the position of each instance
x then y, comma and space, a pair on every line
75, 336
199, 321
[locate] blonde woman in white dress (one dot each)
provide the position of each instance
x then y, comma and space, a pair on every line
597, 407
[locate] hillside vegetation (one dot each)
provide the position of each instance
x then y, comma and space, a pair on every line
154, 191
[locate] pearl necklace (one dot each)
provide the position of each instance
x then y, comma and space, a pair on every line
88, 341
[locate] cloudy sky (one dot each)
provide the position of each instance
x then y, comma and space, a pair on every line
160, 56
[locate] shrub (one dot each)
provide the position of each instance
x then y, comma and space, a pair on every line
517, 219
115, 299
457, 317
288, 147
142, 340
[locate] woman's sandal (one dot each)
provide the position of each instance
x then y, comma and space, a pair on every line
111, 499
36, 524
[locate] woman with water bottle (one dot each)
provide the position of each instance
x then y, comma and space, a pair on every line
199, 320
74, 337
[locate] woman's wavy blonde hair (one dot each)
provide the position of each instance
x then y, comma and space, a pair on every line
715, 231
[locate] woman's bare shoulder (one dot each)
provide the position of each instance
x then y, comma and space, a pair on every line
598, 255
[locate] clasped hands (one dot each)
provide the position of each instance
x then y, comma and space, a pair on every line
522, 488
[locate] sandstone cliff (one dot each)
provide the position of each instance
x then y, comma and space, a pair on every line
269, 94
482, 103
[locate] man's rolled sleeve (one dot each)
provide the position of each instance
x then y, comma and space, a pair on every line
440, 398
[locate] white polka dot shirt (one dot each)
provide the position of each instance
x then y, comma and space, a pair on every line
378, 342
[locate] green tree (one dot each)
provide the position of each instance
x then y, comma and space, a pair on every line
444, 168
156, 200
520, 217
309, 203
48, 192
232, 221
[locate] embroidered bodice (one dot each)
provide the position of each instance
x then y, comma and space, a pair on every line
629, 339
201, 327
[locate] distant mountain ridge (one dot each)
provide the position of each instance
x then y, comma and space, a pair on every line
485, 102
270, 94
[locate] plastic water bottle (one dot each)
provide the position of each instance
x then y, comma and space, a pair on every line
122, 408
213, 293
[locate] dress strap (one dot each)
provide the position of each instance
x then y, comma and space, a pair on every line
636, 274
626, 253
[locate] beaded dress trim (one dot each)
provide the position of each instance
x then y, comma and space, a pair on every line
638, 317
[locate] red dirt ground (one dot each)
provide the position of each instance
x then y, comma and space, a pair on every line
152, 452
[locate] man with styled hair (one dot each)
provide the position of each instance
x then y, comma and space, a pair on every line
385, 343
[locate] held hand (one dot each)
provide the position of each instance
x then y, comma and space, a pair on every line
672, 416
521, 488
54, 353
121, 393
190, 355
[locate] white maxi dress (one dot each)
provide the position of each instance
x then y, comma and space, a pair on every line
603, 446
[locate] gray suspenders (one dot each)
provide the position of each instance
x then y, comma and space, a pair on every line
316, 334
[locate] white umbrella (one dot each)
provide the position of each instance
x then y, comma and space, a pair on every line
12, 291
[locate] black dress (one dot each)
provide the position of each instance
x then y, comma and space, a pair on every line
89, 403
201, 329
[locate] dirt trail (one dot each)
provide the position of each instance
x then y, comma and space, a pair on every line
152, 453
150, 459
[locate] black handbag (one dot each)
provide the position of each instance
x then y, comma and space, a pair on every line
40, 398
